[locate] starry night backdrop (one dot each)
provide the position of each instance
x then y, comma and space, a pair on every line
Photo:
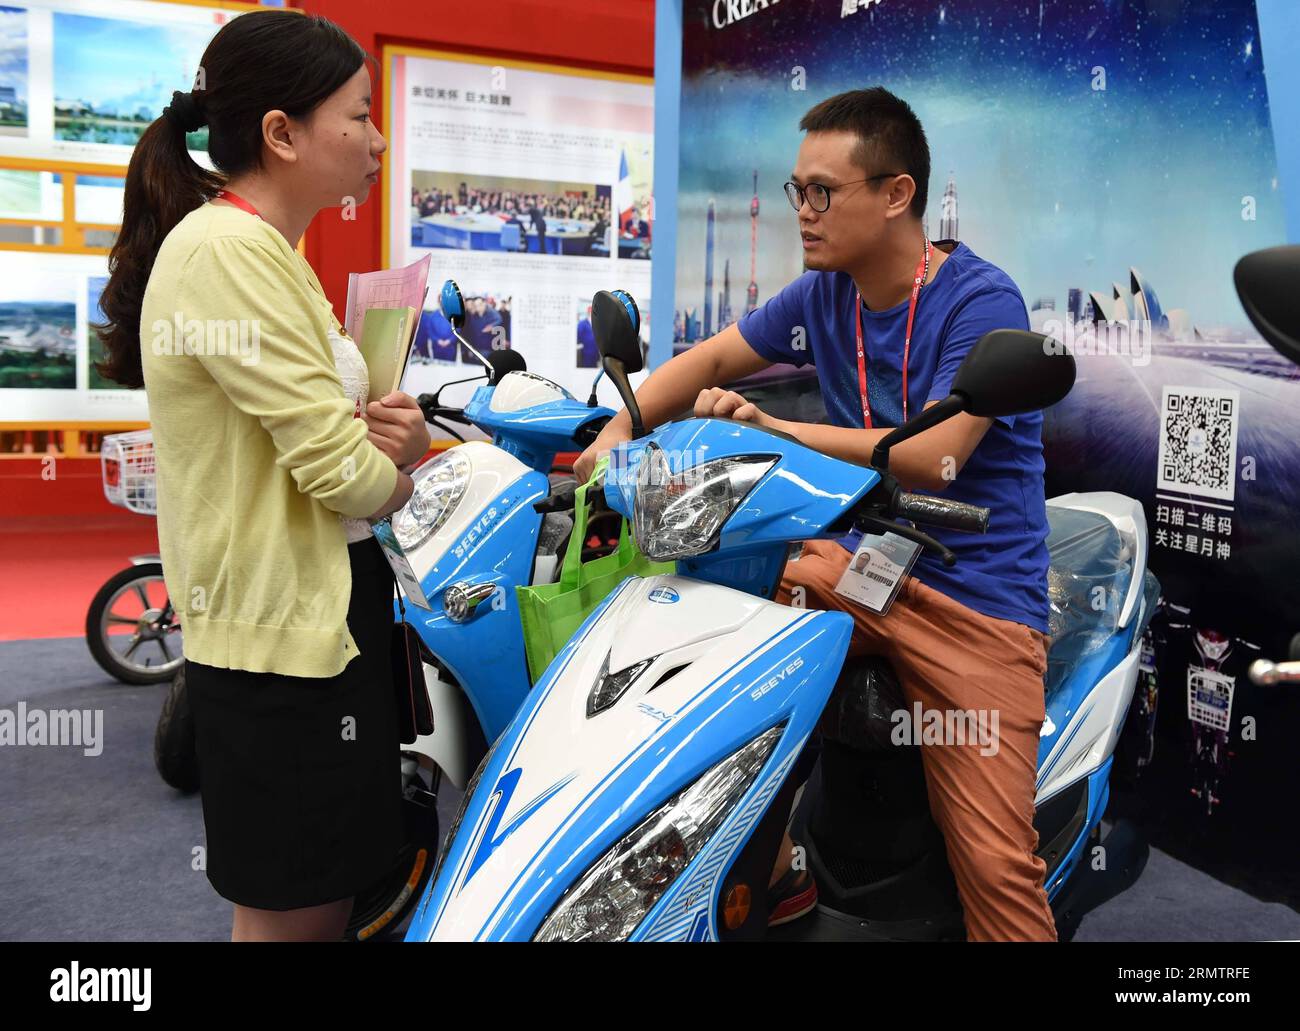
1059, 184
1066, 186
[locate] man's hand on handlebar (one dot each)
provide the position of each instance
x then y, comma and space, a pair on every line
712, 403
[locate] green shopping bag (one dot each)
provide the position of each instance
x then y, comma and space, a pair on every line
552, 613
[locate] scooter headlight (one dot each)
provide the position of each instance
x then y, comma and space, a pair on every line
613, 897
439, 485
610, 687
680, 515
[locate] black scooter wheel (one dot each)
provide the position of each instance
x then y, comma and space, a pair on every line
381, 908
174, 751
136, 664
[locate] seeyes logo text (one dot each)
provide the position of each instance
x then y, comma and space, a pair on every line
772, 681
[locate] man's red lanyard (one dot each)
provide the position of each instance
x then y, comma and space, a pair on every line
922, 268
238, 202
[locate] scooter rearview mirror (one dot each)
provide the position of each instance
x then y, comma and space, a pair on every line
1268, 284
452, 303
1011, 371
616, 324
504, 360
1007, 372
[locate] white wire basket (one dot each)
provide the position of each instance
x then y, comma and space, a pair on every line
126, 461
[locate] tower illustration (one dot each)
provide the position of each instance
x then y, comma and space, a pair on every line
751, 294
708, 273
948, 216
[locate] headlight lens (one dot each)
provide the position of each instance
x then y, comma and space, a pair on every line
677, 516
613, 897
439, 486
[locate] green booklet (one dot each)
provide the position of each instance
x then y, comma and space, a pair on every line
385, 344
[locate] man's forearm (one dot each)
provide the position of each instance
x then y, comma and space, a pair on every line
911, 462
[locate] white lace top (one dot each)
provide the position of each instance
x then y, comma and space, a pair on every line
356, 385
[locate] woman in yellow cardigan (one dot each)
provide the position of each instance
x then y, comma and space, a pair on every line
270, 463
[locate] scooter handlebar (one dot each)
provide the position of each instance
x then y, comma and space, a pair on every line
432, 410
954, 515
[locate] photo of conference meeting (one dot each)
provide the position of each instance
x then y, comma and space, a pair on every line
514, 215
487, 328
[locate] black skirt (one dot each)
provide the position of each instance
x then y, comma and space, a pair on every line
301, 776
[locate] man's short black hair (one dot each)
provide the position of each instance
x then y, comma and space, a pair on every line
890, 135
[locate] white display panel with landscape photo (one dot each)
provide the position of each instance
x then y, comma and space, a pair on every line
80, 80
47, 347
85, 77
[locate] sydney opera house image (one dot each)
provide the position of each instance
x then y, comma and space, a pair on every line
1130, 322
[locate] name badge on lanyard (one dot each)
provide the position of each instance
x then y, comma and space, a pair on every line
877, 570
921, 267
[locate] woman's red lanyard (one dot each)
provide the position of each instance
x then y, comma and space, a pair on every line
238, 202
922, 270
243, 205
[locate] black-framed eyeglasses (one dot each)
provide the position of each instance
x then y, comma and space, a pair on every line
819, 196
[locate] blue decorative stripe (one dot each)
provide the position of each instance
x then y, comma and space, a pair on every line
1064, 745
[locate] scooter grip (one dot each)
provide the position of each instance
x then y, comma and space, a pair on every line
433, 411
954, 515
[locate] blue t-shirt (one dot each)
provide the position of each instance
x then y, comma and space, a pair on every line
1002, 573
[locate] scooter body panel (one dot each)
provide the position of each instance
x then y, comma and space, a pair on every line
490, 537
1098, 797
1087, 717
531, 417
562, 787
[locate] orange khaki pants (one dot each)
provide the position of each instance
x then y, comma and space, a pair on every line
949, 657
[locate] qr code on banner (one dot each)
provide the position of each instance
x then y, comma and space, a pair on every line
1198, 441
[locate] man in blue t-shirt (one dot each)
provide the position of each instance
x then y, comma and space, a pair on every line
965, 639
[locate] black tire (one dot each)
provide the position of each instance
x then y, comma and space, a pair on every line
378, 910
174, 751
109, 660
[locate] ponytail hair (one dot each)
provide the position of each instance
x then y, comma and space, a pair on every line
258, 62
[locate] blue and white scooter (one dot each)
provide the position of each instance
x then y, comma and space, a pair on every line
484, 518
481, 521
642, 790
